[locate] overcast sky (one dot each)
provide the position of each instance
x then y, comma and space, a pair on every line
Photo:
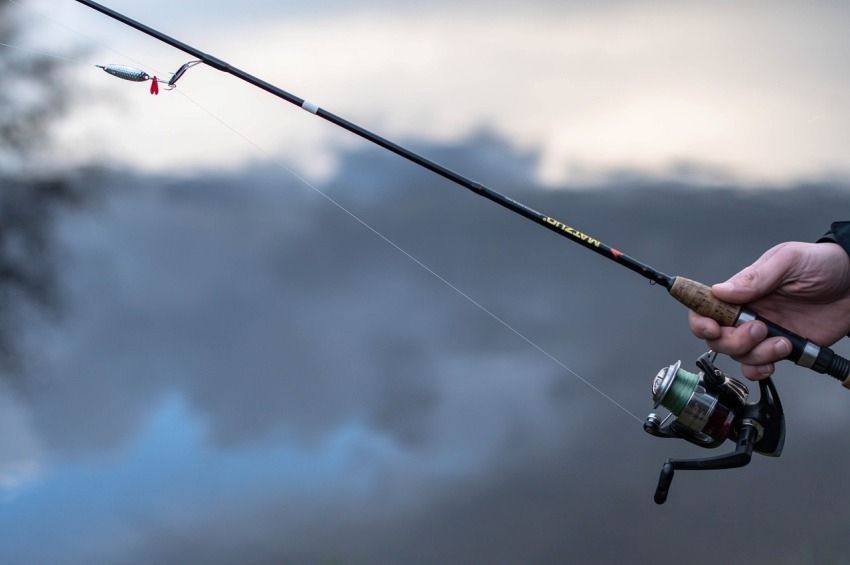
704, 90
241, 372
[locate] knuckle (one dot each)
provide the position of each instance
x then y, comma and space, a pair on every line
747, 277
739, 345
788, 252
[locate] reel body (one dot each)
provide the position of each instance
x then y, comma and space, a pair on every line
708, 408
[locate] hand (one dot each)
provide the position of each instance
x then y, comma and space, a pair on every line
804, 287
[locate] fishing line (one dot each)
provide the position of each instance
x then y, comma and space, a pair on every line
66, 27
407, 254
368, 226
36, 52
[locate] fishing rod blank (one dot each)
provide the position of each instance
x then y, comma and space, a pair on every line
692, 294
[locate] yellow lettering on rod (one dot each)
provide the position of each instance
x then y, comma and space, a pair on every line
573, 232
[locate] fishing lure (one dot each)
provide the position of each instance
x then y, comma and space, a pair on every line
138, 75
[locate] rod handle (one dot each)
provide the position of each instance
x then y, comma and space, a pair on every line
698, 297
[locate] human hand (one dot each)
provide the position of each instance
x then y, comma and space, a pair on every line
804, 287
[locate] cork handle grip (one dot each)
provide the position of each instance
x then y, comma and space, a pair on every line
805, 353
698, 298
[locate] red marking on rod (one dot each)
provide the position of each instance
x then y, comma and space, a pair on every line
616, 254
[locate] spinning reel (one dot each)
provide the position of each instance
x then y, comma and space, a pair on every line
708, 408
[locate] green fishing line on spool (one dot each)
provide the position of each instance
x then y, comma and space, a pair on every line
683, 386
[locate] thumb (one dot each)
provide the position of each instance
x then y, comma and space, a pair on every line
756, 281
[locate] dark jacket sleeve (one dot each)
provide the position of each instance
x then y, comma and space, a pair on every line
839, 232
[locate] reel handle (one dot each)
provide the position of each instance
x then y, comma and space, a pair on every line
739, 458
698, 297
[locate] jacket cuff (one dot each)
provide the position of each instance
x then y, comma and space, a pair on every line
839, 232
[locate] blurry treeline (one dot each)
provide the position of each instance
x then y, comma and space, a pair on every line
32, 97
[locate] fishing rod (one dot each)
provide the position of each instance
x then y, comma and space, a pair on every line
706, 408
692, 294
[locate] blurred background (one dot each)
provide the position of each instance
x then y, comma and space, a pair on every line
203, 360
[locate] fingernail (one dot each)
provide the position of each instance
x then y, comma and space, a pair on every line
782, 348
765, 370
758, 331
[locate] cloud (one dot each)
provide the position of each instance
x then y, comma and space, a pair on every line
595, 87
277, 320
266, 297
